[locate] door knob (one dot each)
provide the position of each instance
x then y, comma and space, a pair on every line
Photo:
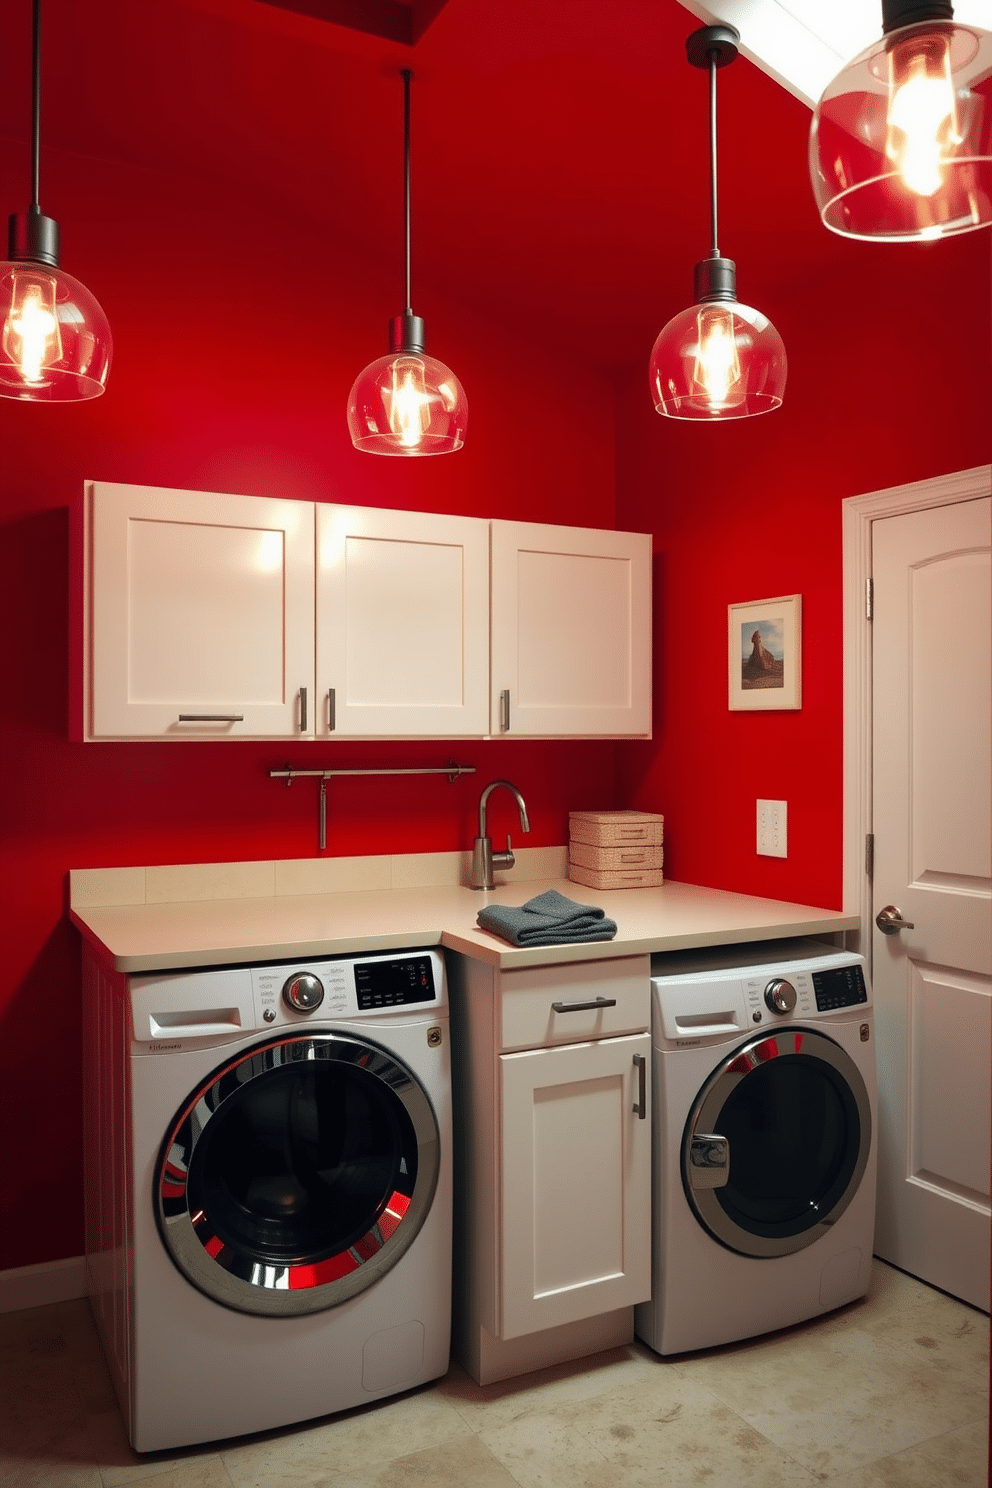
890, 921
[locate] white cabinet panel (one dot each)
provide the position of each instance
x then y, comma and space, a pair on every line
576, 1198
402, 623
571, 631
200, 614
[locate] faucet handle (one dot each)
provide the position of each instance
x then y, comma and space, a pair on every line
504, 859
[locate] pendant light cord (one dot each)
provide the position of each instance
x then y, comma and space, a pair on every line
407, 75
715, 252
36, 107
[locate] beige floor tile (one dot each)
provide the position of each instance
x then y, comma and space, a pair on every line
346, 1443
120, 1464
670, 1432
958, 1459
465, 1463
841, 1400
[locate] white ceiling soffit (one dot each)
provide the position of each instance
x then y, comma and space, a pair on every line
803, 44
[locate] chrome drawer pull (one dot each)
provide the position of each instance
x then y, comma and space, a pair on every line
584, 1007
211, 718
303, 710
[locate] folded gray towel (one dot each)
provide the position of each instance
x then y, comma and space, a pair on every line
548, 919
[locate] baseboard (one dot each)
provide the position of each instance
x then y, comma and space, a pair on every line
41, 1285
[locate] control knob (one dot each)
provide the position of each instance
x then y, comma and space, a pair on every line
780, 995
303, 992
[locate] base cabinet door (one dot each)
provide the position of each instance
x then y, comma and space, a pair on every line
200, 615
576, 1182
571, 631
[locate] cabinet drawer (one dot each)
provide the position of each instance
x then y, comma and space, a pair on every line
528, 1018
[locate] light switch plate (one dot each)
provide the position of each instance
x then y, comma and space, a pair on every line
772, 832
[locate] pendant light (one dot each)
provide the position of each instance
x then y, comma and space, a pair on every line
900, 147
55, 345
720, 359
407, 403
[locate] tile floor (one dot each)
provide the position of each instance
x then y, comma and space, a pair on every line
890, 1392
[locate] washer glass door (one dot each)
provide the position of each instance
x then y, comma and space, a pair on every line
297, 1174
777, 1142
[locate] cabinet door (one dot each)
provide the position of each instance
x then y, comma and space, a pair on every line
576, 1182
571, 631
199, 615
402, 623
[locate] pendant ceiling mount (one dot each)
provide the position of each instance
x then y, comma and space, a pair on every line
407, 403
55, 342
900, 145
720, 359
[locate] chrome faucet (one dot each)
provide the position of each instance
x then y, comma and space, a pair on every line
484, 860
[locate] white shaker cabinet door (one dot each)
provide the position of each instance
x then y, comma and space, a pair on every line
576, 1182
402, 623
571, 631
199, 615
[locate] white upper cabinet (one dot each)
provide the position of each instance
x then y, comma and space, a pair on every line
199, 615
208, 616
571, 631
402, 623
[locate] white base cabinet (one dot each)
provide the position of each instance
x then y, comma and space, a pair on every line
552, 1069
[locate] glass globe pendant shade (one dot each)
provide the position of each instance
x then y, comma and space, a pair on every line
55, 341
719, 359
900, 145
407, 403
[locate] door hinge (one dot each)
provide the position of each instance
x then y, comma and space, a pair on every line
869, 598
869, 854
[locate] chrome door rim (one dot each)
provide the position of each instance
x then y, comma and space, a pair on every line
284, 1288
703, 1119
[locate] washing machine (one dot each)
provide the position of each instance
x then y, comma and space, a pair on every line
268, 1189
764, 1153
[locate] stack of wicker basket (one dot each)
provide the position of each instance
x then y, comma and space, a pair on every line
615, 849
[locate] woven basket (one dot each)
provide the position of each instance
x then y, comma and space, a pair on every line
616, 828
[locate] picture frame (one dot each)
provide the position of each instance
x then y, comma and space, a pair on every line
764, 647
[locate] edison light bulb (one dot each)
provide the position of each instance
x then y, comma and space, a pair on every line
922, 119
31, 337
409, 402
717, 370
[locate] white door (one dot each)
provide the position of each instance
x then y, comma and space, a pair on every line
402, 623
199, 617
576, 1182
931, 821
571, 631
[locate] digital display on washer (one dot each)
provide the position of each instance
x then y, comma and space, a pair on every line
394, 983
841, 986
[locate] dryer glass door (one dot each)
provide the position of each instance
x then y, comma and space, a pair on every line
777, 1142
297, 1174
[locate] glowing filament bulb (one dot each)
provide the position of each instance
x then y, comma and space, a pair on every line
922, 120
717, 370
31, 338
409, 403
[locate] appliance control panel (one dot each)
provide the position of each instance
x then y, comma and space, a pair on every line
410, 979
839, 987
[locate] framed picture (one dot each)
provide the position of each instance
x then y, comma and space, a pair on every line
765, 653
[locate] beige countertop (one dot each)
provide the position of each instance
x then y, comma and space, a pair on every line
254, 912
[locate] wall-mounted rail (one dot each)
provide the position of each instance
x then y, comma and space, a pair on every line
289, 775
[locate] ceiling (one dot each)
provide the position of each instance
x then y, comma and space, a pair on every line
560, 152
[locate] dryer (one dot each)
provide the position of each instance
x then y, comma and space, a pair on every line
764, 1154
268, 1189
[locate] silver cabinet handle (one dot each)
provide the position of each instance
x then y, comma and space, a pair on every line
303, 710
211, 718
640, 1106
583, 1007
890, 921
331, 710
504, 710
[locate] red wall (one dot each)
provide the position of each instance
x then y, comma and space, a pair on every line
232, 369
890, 380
